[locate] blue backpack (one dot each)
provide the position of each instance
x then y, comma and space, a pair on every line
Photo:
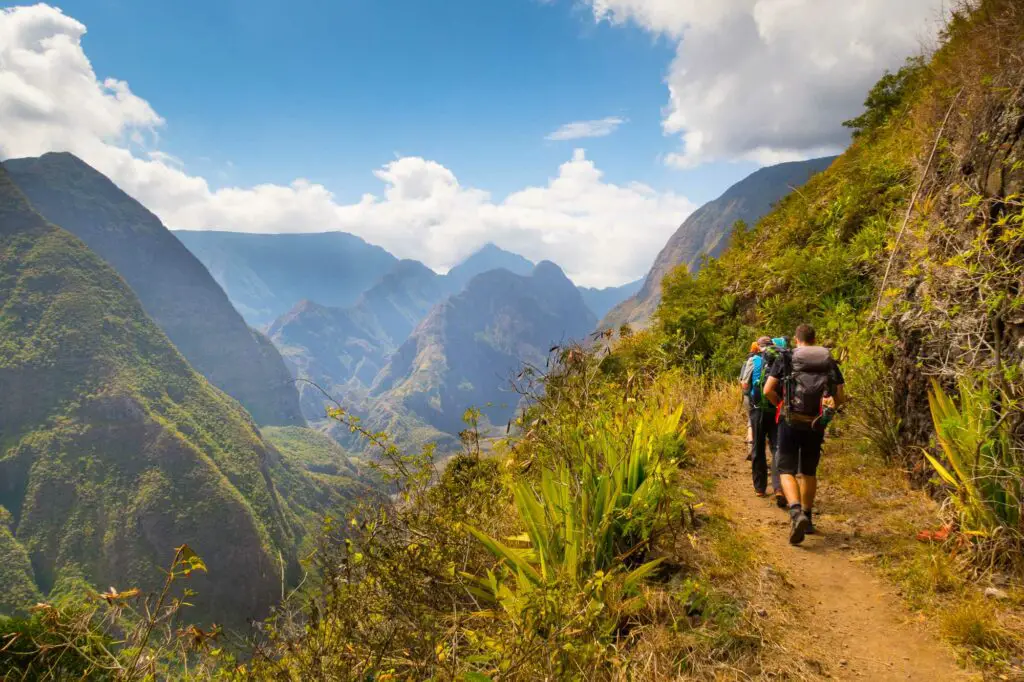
762, 365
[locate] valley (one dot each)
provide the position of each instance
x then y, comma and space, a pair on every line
262, 431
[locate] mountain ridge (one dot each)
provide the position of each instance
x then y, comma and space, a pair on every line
114, 449
265, 275
174, 287
706, 232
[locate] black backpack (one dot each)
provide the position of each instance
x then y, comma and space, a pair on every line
808, 380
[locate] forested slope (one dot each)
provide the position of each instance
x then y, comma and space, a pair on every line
113, 451
174, 288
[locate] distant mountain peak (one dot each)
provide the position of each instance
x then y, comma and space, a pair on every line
550, 271
708, 229
488, 257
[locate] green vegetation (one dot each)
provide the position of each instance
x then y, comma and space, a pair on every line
590, 543
314, 475
985, 473
584, 528
114, 449
706, 232
175, 291
122, 636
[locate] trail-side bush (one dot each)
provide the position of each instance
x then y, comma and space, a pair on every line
571, 580
117, 635
982, 467
872, 412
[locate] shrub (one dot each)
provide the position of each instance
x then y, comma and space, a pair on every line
578, 565
982, 466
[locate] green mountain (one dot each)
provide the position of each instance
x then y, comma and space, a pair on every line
175, 289
335, 348
341, 350
266, 275
707, 230
464, 353
113, 450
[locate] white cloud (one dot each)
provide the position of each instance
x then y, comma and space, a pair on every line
580, 129
51, 100
772, 80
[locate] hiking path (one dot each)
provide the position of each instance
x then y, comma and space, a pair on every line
854, 624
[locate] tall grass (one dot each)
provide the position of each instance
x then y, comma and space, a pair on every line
982, 465
590, 520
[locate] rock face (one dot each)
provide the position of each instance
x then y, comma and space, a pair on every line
707, 231
266, 275
464, 352
175, 289
113, 449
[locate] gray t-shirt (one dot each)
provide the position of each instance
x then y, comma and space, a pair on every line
748, 370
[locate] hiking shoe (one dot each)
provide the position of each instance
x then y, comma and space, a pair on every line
811, 530
760, 493
798, 528
780, 502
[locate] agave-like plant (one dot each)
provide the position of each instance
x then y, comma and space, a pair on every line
586, 521
986, 475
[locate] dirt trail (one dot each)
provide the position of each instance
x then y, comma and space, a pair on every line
855, 625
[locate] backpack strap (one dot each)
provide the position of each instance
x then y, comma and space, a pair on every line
787, 383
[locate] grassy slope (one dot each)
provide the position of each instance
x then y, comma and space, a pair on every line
707, 231
114, 450
314, 474
820, 256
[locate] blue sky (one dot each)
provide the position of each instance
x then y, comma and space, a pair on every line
330, 91
424, 126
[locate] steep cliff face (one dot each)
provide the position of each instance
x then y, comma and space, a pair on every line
112, 449
175, 289
706, 233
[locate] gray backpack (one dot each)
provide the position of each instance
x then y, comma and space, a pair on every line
809, 379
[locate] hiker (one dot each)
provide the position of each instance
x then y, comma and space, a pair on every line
762, 414
806, 385
782, 343
748, 368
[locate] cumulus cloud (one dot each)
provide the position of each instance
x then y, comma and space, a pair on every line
51, 100
772, 80
580, 129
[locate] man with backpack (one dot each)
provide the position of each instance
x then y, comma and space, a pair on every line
806, 385
762, 412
